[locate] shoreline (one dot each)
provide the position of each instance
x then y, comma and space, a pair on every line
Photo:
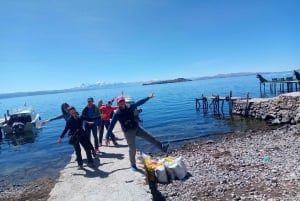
258, 165
40, 188
254, 164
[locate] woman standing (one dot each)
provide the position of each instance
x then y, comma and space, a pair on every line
74, 126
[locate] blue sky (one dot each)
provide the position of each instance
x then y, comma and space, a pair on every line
58, 44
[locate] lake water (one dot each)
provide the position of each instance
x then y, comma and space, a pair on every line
170, 116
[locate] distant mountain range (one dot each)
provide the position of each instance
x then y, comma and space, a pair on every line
86, 86
82, 87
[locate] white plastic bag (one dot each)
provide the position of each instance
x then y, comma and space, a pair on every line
161, 174
168, 163
176, 168
180, 168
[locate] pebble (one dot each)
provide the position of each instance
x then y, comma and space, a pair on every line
242, 174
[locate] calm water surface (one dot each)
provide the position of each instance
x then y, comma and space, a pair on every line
170, 116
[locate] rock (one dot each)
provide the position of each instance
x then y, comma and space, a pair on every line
226, 176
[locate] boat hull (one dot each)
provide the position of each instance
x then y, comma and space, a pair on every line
24, 120
27, 127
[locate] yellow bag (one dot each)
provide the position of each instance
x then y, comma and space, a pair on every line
151, 165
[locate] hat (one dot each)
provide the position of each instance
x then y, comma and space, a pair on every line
120, 98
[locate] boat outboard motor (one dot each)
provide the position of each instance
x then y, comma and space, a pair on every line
18, 127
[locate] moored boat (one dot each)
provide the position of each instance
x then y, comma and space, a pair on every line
22, 120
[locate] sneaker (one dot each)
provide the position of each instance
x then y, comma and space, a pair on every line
115, 143
165, 147
97, 151
134, 168
80, 167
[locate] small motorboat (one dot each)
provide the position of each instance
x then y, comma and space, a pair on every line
23, 120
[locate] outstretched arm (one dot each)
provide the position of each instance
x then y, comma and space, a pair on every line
56, 118
52, 119
67, 127
111, 126
144, 100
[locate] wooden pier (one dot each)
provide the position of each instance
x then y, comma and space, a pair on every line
277, 86
280, 85
217, 102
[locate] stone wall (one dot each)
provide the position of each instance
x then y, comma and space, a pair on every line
283, 109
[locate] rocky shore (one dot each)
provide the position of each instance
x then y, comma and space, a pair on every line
283, 109
254, 165
258, 164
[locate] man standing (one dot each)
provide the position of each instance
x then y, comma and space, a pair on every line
91, 111
131, 128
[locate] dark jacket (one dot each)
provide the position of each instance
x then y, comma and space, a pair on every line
91, 113
126, 117
75, 125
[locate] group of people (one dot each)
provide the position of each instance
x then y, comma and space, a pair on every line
94, 118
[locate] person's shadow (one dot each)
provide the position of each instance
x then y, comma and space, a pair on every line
93, 170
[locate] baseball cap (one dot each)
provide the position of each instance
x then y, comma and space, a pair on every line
120, 98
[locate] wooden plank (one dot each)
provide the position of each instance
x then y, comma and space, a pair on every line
224, 98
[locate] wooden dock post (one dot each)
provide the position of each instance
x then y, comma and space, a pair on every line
215, 103
204, 104
197, 104
230, 102
246, 109
288, 81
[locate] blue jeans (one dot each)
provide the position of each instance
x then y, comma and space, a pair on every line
106, 124
93, 128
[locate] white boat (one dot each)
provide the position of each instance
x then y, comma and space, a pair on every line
22, 120
128, 100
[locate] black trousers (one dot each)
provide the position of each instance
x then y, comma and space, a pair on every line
84, 141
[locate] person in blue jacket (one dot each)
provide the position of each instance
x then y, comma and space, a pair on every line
91, 110
131, 128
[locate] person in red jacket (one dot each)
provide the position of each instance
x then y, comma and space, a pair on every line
106, 111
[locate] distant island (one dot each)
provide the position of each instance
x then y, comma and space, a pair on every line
167, 81
86, 86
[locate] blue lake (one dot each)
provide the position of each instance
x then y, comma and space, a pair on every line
170, 116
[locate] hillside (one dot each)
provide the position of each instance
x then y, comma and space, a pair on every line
167, 81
